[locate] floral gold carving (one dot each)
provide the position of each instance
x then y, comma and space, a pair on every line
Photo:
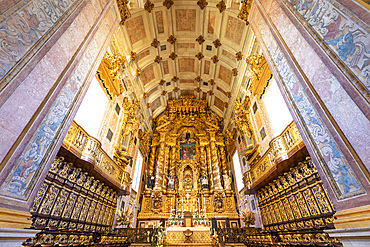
200, 39
155, 43
217, 43
202, 4
259, 72
221, 6
242, 120
199, 56
123, 10
244, 10
148, 6
239, 56
167, 3
173, 55
214, 59
171, 39
157, 59
133, 56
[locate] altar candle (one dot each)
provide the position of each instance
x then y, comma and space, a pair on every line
171, 203
193, 206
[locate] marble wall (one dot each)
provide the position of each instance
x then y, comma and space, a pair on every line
40, 101
330, 115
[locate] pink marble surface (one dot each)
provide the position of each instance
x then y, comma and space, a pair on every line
350, 119
23, 104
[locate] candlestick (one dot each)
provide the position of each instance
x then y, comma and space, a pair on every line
193, 206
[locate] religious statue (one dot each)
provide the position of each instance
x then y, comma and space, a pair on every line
205, 182
150, 182
227, 182
218, 201
157, 201
171, 182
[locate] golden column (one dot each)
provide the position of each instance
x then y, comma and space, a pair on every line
203, 161
173, 160
160, 162
166, 165
215, 163
209, 162
151, 161
225, 165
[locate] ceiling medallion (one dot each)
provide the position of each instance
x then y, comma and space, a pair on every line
175, 78
168, 3
148, 6
145, 94
123, 10
212, 82
200, 39
221, 6
228, 94
198, 89
171, 39
157, 59
155, 43
214, 59
199, 56
226, 105
202, 3
239, 55
217, 43
210, 92
173, 56
161, 82
138, 72
198, 79
164, 92
235, 72
148, 105
133, 56
244, 10
176, 89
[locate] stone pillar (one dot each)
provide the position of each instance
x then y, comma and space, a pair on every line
41, 88
317, 55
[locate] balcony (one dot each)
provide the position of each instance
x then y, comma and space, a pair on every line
284, 151
91, 156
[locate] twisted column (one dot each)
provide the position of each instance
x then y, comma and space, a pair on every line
159, 166
215, 166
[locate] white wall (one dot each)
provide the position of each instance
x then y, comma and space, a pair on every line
276, 108
91, 111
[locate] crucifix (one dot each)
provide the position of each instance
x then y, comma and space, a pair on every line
187, 198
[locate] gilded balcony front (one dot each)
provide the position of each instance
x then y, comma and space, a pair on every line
282, 147
88, 148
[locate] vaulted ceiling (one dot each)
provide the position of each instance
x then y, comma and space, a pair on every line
185, 49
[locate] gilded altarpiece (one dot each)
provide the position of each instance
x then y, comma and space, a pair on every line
188, 167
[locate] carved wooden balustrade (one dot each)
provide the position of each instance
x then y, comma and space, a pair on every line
281, 148
89, 149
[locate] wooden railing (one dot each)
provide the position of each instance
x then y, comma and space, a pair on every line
87, 148
281, 148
